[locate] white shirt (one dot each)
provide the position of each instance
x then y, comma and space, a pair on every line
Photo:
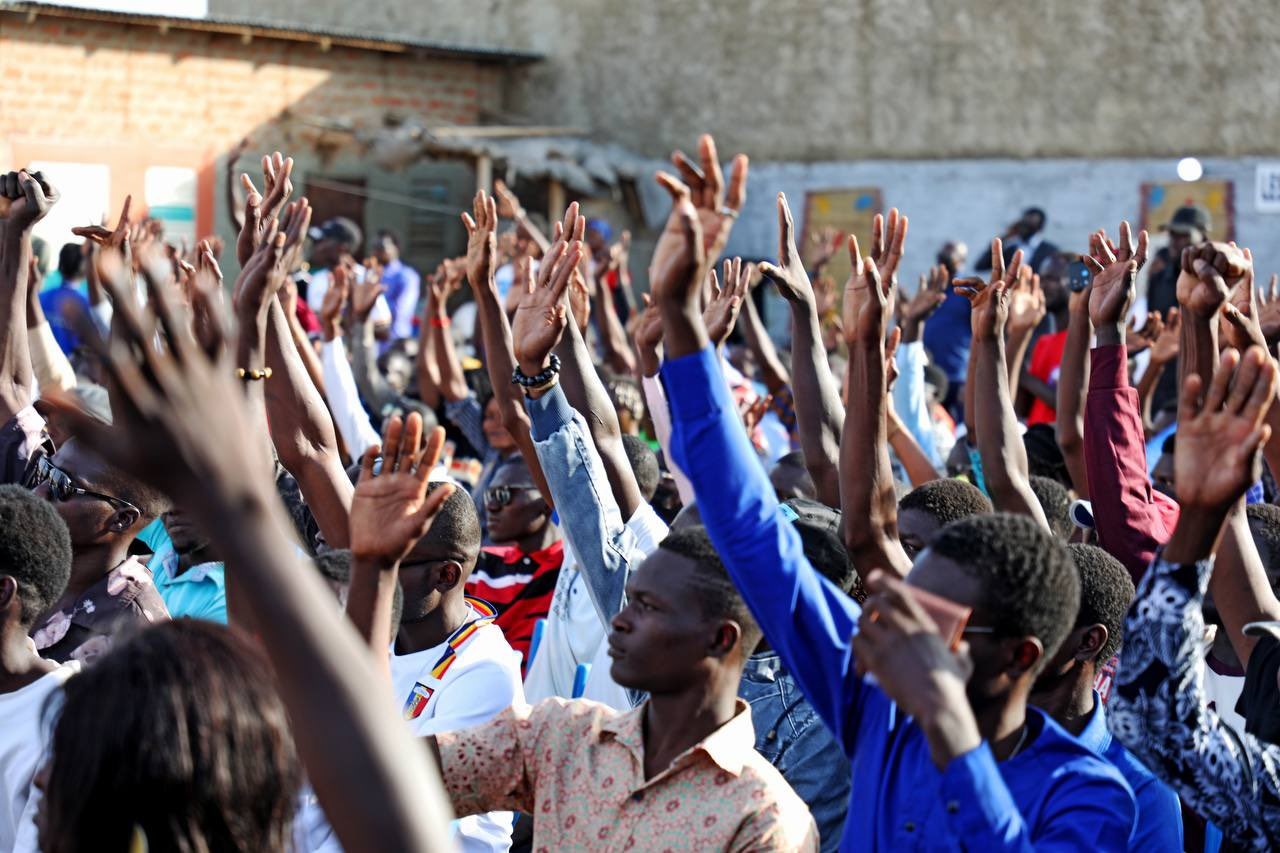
574, 633
483, 680
23, 744
319, 286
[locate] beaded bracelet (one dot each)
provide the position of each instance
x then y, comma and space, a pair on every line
543, 378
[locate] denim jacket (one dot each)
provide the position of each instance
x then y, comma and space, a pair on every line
793, 739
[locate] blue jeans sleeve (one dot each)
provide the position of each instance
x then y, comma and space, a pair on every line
606, 549
806, 618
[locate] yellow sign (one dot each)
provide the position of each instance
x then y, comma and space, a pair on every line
1159, 201
848, 211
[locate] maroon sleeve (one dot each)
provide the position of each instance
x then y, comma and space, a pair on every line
1130, 519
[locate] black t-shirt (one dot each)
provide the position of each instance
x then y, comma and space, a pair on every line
1260, 699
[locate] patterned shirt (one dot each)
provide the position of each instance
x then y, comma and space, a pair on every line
578, 768
1158, 711
124, 601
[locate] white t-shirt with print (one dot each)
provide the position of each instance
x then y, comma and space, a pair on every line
23, 742
483, 681
574, 633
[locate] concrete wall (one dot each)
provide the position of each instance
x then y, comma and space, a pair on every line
810, 80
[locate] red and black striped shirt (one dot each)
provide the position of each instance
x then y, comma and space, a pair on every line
519, 585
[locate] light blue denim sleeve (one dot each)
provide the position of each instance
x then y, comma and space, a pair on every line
912, 403
606, 550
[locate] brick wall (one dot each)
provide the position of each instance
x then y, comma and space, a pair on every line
132, 96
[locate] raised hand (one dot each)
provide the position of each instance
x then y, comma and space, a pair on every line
1141, 339
1114, 274
29, 197
508, 204
392, 508
680, 257
647, 335
869, 292
1210, 271
482, 241
259, 280
541, 318
990, 299
1165, 346
721, 312
260, 210
335, 298
364, 295
825, 243
1219, 435
116, 239
1026, 303
716, 210
789, 273
912, 313
1241, 312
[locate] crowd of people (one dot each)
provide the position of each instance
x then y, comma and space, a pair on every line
340, 556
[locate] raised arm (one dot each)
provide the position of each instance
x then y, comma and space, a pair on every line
819, 412
1026, 310
1073, 384
909, 401
29, 198
914, 459
613, 338
511, 207
48, 361
1158, 707
1164, 351
582, 386
498, 360
868, 501
185, 435
229, 185
805, 617
1004, 458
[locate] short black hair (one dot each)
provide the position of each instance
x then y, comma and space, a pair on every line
1030, 586
70, 261
458, 525
1044, 454
818, 526
644, 465
35, 550
1106, 591
1056, 503
1037, 211
1264, 524
717, 596
150, 501
334, 565
947, 500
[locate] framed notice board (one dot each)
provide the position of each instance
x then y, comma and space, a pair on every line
849, 211
1160, 200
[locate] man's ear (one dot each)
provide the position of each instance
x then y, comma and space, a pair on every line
448, 576
1092, 639
122, 519
1026, 654
726, 636
8, 592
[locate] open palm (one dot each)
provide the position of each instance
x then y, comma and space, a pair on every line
1115, 274
675, 273
789, 273
541, 318
482, 239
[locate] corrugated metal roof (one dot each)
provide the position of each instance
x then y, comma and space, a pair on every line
322, 36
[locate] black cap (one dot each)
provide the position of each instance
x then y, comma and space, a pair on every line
339, 229
1189, 218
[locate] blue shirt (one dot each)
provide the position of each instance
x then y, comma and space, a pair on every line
197, 593
1053, 795
404, 285
57, 305
948, 336
1159, 823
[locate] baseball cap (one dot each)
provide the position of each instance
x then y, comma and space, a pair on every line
1189, 218
1082, 514
601, 227
339, 229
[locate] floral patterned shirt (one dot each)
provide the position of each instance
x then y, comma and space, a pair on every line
578, 768
1158, 711
124, 601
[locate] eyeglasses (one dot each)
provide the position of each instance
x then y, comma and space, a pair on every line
62, 489
500, 496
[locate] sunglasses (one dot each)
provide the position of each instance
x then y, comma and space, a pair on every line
500, 496
62, 489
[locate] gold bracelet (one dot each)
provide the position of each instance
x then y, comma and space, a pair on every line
538, 389
253, 375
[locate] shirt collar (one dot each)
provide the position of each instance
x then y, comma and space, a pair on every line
1096, 736
165, 562
727, 747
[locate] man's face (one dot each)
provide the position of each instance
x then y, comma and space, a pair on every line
186, 538
89, 519
399, 370
1178, 241
524, 243
524, 513
386, 251
1029, 225
915, 528
420, 576
325, 253
596, 241
1055, 292
953, 256
1270, 561
995, 669
1162, 476
660, 641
